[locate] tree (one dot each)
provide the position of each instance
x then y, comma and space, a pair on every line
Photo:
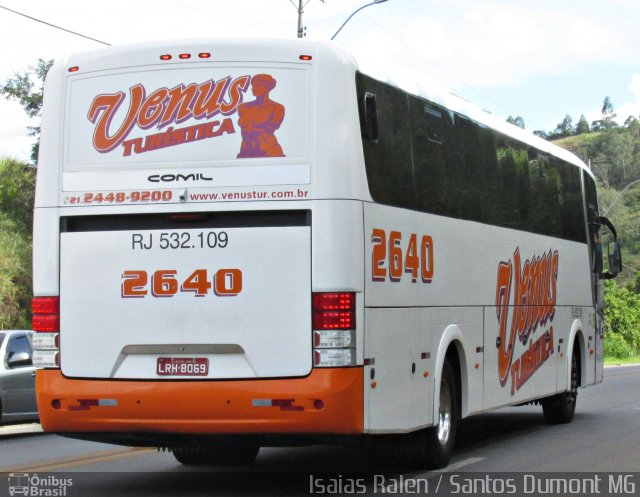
540, 133
28, 88
17, 187
516, 121
565, 128
582, 126
608, 115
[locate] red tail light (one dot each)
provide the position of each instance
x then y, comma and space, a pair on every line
46, 314
334, 311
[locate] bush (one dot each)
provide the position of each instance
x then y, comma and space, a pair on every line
15, 276
616, 346
17, 182
622, 320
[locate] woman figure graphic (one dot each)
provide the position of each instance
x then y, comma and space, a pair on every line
259, 119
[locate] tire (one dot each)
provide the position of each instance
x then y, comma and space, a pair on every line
439, 440
559, 409
201, 455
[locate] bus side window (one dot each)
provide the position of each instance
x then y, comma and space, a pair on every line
370, 128
434, 125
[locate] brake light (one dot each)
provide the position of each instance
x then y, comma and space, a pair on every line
46, 314
45, 305
46, 322
334, 311
334, 324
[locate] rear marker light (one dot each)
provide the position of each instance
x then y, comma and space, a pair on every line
190, 216
283, 404
165, 57
305, 57
204, 55
73, 69
185, 55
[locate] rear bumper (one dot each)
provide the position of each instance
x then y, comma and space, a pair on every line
328, 401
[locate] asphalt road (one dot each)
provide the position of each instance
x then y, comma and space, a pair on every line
603, 437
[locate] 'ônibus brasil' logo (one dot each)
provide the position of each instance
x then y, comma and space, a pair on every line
533, 306
165, 107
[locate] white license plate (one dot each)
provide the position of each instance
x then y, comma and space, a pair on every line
182, 366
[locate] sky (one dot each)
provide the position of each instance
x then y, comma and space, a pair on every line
540, 59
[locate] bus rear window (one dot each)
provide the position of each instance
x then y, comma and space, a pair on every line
185, 116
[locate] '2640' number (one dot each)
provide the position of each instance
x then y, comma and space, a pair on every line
389, 260
165, 283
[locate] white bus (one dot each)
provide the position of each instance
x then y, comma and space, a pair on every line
247, 243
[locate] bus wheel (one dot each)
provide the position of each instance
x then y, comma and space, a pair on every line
560, 408
204, 455
439, 441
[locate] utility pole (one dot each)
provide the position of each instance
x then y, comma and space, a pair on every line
300, 8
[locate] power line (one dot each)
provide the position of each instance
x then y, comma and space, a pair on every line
54, 26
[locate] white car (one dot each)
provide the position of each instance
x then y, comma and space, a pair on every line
17, 377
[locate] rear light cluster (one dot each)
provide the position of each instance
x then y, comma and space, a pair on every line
334, 324
46, 324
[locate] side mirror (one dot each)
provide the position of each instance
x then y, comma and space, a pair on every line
615, 258
20, 359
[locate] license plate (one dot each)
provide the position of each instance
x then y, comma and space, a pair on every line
182, 366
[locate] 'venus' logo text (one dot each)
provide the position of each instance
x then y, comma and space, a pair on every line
163, 107
532, 305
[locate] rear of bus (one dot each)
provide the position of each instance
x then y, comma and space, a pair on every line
198, 244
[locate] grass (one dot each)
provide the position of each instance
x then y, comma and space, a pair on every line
615, 361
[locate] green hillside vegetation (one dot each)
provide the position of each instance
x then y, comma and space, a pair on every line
613, 153
17, 182
614, 156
